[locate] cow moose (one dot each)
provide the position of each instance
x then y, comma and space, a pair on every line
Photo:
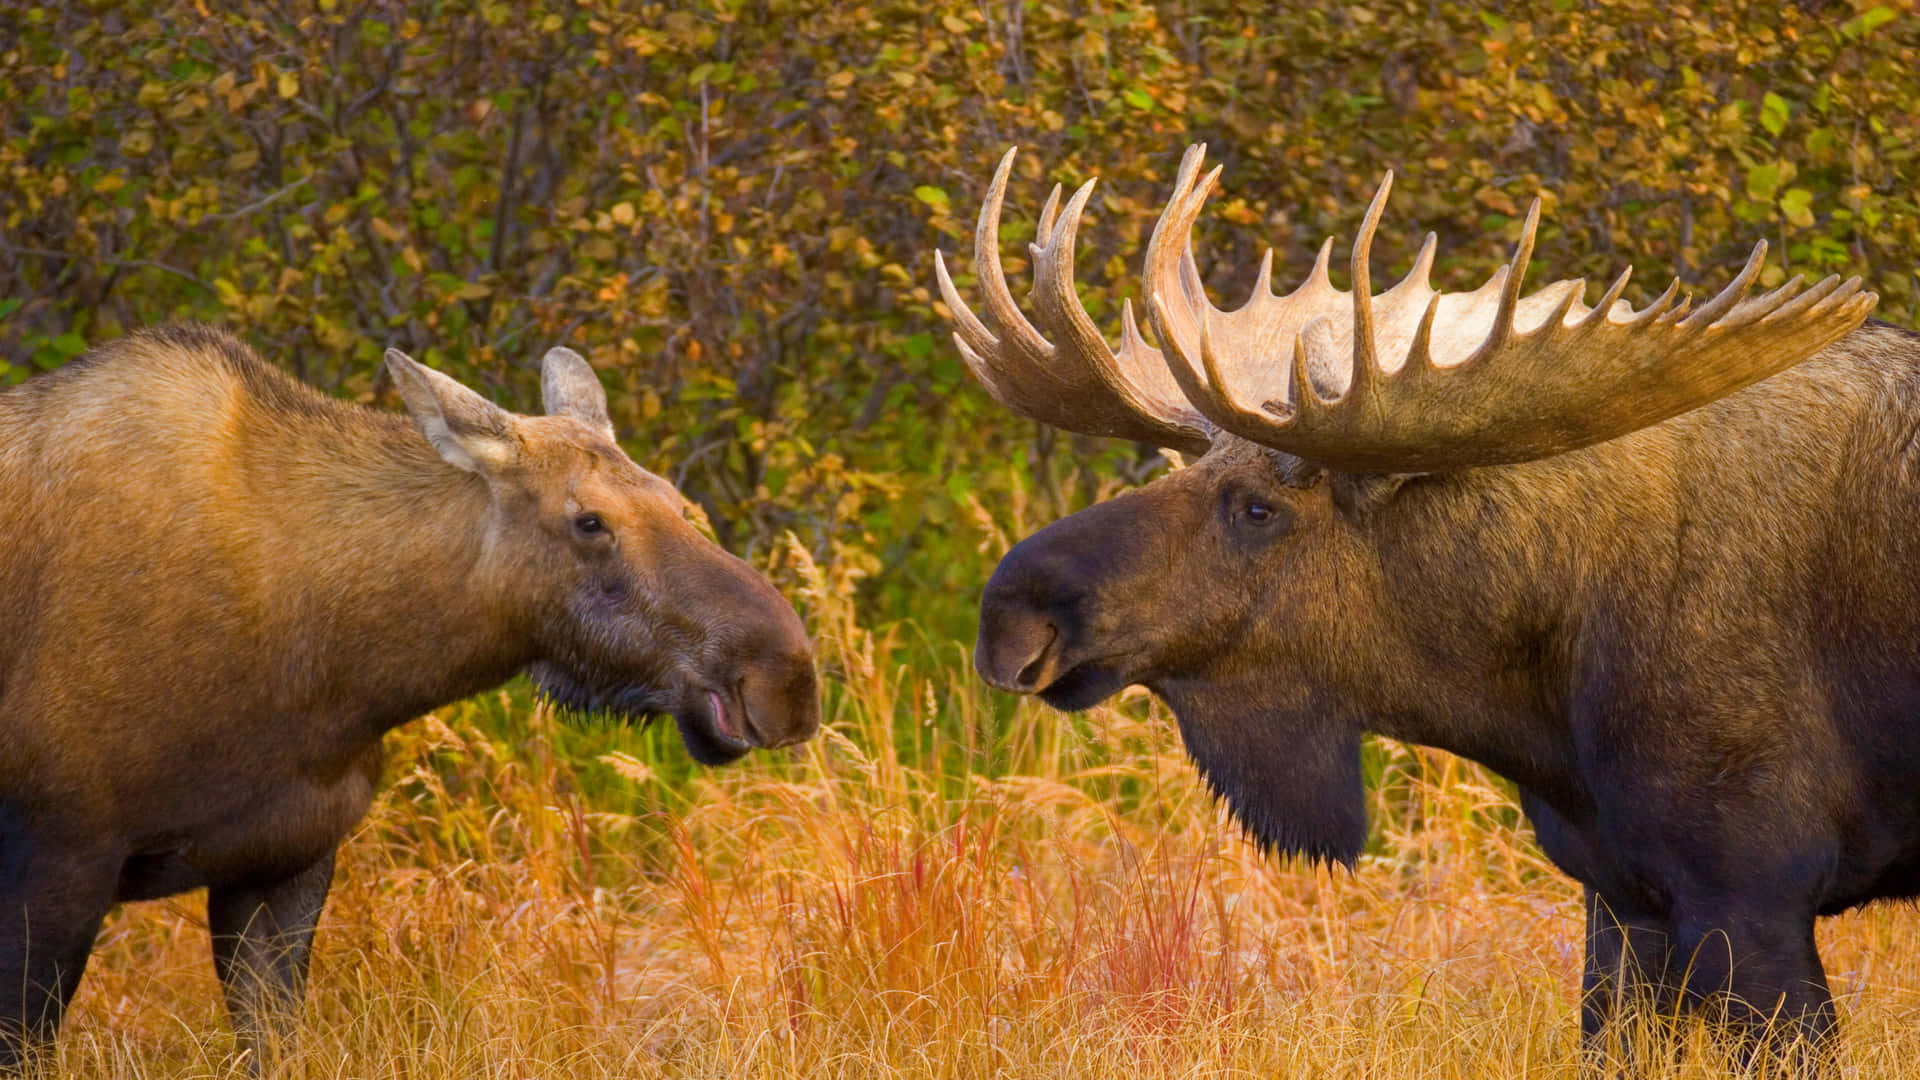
219, 588
1655, 567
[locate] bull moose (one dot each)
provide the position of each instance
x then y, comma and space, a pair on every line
1654, 566
219, 588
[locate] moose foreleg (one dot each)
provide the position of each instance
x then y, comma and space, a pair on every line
1760, 975
262, 940
51, 904
1628, 983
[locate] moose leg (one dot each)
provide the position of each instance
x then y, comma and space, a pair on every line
51, 905
262, 939
1760, 975
1628, 977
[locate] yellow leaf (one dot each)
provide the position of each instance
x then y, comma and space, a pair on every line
954, 24
289, 84
623, 213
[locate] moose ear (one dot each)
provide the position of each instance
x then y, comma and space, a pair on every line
1360, 494
468, 430
570, 388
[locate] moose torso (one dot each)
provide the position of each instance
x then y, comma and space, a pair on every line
222, 575
1707, 622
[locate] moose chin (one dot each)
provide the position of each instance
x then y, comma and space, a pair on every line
220, 588
713, 724
1653, 565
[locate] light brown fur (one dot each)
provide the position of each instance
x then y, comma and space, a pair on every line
220, 588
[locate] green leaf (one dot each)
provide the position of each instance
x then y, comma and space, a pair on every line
1774, 112
1868, 21
1139, 99
1763, 181
1797, 204
932, 196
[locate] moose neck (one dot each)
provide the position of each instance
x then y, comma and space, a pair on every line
1480, 573
375, 554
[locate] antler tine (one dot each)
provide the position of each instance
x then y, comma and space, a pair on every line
1129, 328
1609, 298
1048, 214
1557, 316
1516, 272
1305, 399
1661, 305
1736, 290
1365, 365
1076, 382
1420, 356
993, 281
1056, 302
1423, 262
969, 327
1318, 276
1816, 294
1263, 281
1760, 307
1169, 262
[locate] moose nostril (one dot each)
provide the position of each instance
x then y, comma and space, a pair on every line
1035, 669
781, 702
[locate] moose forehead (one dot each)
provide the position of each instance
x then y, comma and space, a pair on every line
566, 451
1235, 452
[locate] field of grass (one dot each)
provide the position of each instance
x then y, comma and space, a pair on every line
940, 886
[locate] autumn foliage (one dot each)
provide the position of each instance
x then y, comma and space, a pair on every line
731, 206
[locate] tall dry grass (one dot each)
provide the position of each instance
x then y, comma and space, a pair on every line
932, 889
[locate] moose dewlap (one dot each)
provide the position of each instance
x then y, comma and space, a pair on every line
219, 588
1657, 567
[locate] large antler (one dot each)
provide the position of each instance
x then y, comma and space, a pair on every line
1077, 381
1415, 380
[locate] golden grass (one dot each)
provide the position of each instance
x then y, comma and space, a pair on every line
910, 896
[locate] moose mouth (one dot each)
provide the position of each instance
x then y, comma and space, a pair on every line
1085, 685
712, 722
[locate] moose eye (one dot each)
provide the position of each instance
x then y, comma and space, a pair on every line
589, 525
1259, 513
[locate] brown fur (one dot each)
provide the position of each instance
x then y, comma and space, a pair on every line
220, 588
1696, 649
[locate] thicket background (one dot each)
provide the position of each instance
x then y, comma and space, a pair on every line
731, 207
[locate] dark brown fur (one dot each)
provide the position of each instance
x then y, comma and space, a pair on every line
1696, 649
220, 588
